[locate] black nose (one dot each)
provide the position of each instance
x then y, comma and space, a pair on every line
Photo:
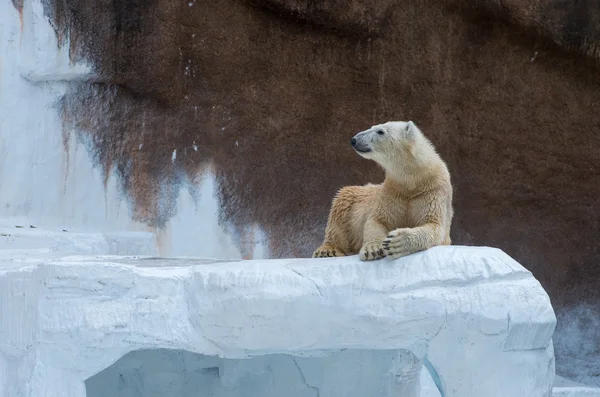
353, 141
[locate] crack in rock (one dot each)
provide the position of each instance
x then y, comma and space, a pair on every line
303, 378
309, 279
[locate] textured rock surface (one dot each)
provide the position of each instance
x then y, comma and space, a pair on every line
267, 93
355, 17
475, 314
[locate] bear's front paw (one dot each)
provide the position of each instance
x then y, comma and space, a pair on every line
399, 243
371, 251
327, 251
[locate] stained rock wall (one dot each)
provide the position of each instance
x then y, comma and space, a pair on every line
267, 94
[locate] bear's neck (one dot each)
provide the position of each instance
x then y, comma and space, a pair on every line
409, 185
414, 176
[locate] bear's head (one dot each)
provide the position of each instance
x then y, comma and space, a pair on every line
399, 147
383, 140
393, 144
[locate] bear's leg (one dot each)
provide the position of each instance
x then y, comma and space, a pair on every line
373, 235
337, 226
327, 251
406, 241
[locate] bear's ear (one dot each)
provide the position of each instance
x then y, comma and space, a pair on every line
410, 128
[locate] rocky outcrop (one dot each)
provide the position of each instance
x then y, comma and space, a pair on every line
267, 94
363, 330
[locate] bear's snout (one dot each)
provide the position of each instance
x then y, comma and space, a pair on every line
361, 143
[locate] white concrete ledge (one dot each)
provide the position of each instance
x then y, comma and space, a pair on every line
576, 392
20, 244
568, 388
480, 321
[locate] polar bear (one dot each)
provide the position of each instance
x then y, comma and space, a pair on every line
410, 211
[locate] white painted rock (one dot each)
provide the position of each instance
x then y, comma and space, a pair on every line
301, 327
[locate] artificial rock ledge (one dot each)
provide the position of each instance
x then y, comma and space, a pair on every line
333, 327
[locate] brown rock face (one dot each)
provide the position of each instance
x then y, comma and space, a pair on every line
268, 93
357, 17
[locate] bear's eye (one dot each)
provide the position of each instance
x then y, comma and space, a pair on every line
380, 132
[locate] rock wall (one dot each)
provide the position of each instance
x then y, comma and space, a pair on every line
50, 181
265, 95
